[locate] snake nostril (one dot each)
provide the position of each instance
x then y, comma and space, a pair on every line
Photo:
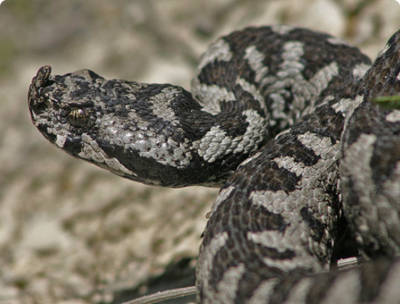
48, 83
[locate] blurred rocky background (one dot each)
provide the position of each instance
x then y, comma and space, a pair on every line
73, 233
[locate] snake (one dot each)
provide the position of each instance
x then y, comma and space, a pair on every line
284, 120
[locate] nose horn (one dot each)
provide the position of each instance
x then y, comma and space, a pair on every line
38, 82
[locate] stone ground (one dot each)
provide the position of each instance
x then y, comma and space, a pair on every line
73, 233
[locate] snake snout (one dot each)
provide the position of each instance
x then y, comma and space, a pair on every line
36, 97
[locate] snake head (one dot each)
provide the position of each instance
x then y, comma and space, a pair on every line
101, 121
62, 107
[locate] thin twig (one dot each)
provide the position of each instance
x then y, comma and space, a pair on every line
350, 262
164, 295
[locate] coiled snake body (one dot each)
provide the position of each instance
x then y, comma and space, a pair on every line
283, 118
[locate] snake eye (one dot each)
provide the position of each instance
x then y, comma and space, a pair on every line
79, 118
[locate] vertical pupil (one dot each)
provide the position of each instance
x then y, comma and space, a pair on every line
78, 117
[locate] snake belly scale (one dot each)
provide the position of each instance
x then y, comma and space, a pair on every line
282, 119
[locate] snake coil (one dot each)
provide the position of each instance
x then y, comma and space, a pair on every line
282, 118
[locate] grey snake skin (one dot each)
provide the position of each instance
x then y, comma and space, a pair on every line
282, 118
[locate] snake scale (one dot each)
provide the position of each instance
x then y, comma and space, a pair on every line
283, 119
